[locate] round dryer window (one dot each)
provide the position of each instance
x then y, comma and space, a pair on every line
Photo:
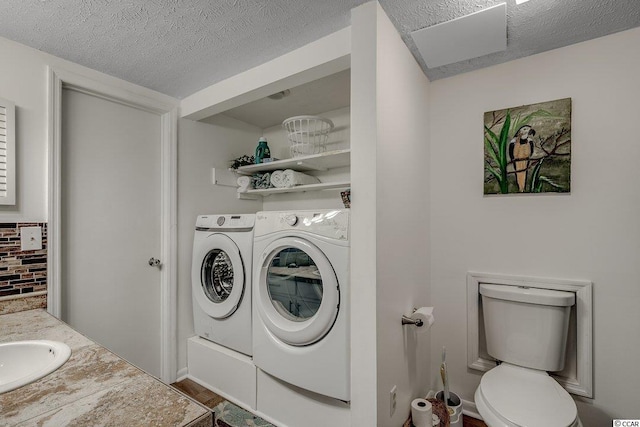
220, 271
298, 292
294, 283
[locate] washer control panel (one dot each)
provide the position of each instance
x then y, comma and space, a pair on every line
225, 222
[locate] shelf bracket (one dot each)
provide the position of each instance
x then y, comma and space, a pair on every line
245, 196
224, 177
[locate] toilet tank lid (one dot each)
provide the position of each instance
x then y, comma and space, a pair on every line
528, 295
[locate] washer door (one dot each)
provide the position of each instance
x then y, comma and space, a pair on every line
298, 292
221, 276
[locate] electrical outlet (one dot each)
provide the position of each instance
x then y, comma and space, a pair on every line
30, 238
392, 400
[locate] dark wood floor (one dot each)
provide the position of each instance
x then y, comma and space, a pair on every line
211, 400
199, 393
472, 422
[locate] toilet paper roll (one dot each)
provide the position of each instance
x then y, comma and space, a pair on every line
426, 315
421, 413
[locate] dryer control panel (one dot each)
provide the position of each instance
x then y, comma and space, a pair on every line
330, 223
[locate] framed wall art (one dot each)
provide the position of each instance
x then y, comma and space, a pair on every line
527, 149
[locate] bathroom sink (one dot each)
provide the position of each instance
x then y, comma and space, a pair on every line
22, 362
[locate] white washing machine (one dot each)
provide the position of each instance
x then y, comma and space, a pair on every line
301, 299
221, 279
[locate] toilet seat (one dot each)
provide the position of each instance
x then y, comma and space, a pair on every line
513, 396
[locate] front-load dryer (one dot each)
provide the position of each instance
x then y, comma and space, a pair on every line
301, 299
221, 279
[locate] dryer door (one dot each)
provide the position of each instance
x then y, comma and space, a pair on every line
298, 292
219, 278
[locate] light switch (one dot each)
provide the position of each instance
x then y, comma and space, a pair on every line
31, 238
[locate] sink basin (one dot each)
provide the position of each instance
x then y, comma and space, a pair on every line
22, 362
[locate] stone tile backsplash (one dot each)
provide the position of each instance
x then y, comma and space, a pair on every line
22, 273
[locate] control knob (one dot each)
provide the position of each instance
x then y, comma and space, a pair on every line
291, 220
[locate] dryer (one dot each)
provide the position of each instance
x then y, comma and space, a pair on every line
221, 279
301, 299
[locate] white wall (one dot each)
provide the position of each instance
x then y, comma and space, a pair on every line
402, 171
363, 216
591, 234
339, 139
23, 79
201, 147
390, 251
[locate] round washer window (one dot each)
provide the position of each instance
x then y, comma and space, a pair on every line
294, 284
217, 276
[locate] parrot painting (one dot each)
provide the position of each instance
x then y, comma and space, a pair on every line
520, 151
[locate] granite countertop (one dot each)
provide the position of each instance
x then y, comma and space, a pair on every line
93, 388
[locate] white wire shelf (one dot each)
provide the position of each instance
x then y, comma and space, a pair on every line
313, 162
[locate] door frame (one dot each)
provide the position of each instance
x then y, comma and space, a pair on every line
146, 100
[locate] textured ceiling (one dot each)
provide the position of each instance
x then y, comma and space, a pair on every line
181, 46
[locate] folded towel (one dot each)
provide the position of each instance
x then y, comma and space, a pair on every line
277, 178
244, 183
291, 178
261, 180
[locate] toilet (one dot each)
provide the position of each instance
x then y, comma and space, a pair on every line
526, 331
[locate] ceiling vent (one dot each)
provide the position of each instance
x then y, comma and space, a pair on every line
470, 36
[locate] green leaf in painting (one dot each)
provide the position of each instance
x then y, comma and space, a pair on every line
493, 136
493, 172
502, 144
535, 175
504, 138
491, 149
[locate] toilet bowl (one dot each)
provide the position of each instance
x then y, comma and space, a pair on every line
513, 396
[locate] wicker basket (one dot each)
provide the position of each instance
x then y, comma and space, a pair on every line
307, 134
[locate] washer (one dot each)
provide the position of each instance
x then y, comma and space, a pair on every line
301, 299
221, 279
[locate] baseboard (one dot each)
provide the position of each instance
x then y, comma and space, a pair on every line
470, 409
182, 374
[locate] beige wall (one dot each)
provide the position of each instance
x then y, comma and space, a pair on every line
592, 233
339, 139
390, 220
201, 147
23, 80
402, 176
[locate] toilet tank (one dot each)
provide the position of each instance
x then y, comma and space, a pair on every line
527, 326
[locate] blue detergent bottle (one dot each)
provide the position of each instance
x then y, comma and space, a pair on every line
262, 150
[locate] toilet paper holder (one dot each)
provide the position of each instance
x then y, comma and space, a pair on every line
407, 320
421, 318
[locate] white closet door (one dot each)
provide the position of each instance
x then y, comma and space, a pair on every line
111, 225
